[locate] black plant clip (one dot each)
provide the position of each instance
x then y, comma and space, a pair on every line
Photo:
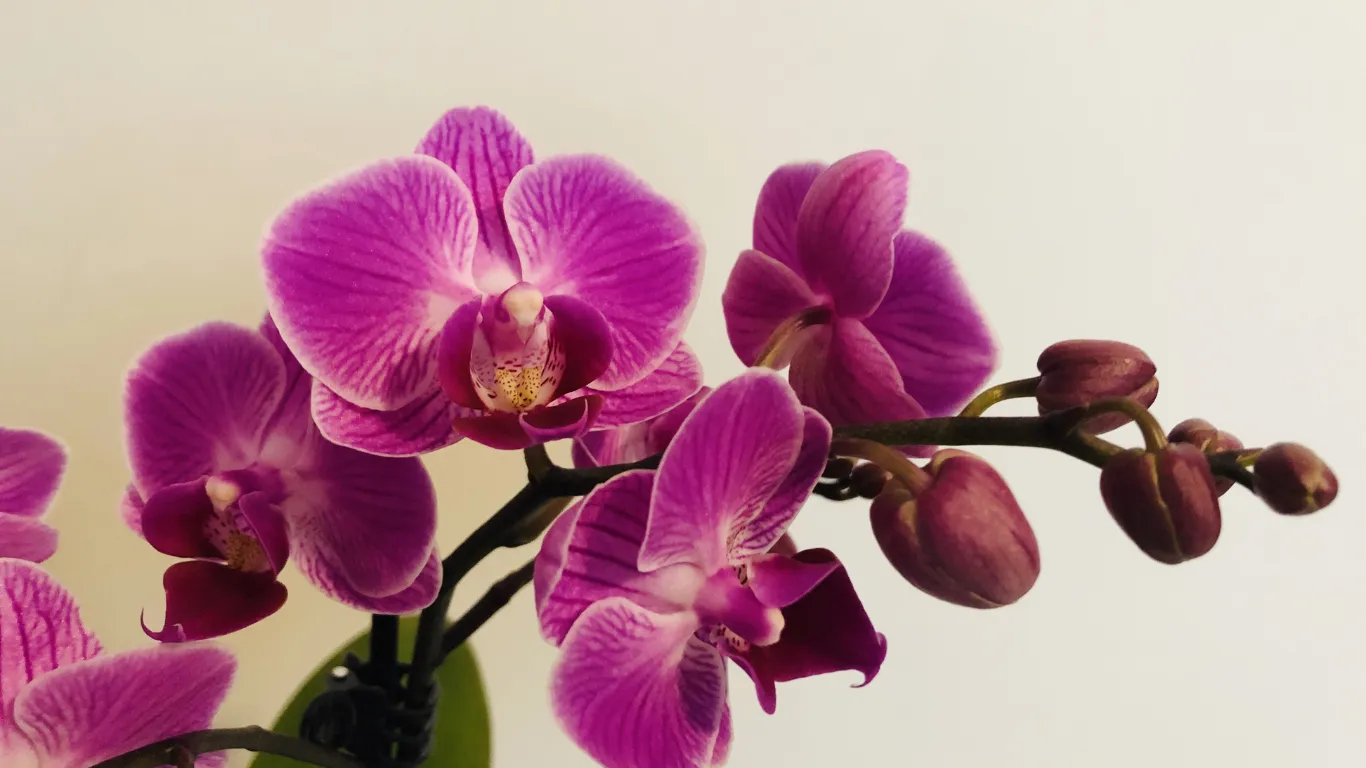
360, 716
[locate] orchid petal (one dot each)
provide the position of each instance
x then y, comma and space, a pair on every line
720, 751
590, 553
932, 329
676, 380
845, 230
454, 353
779, 581
293, 420
845, 374
633, 442
25, 538
564, 420
503, 431
719, 472
332, 582
264, 523
131, 508
586, 338
362, 274
40, 630
762, 294
825, 631
85, 713
173, 521
588, 228
485, 150
370, 519
635, 689
31, 467
422, 426
205, 599
755, 537
775, 215
199, 402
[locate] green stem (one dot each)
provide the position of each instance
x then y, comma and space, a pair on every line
182, 750
771, 356
1055, 432
1010, 390
914, 478
1153, 437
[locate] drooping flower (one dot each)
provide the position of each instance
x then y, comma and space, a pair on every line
875, 321
657, 578
64, 703
31, 466
465, 291
229, 470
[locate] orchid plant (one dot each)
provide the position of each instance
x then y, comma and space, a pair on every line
471, 291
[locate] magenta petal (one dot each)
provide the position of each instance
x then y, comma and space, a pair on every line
845, 230
332, 582
775, 215
31, 466
293, 419
199, 402
563, 420
759, 535
845, 374
590, 553
635, 689
362, 273
205, 599
503, 431
720, 751
760, 296
731, 454
131, 508
422, 426
173, 521
25, 538
588, 228
827, 630
453, 355
40, 630
676, 380
932, 329
267, 525
88, 712
369, 519
486, 152
583, 334
779, 581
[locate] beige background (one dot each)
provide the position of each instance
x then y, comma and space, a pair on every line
1190, 177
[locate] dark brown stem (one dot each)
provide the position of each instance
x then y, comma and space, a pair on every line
178, 749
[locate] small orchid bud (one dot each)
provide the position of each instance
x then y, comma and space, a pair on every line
868, 480
1165, 500
1081, 371
1293, 480
962, 538
1207, 438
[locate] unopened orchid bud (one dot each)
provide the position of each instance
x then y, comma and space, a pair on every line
839, 468
1081, 371
868, 480
1165, 500
1293, 480
1207, 438
962, 538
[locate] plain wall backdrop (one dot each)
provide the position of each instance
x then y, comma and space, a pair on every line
1186, 176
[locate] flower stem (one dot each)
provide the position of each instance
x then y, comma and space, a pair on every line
1153, 437
775, 352
383, 661
181, 750
1010, 390
914, 478
493, 601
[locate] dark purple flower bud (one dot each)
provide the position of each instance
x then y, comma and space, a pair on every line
1164, 500
868, 480
1293, 480
1207, 438
1081, 371
963, 538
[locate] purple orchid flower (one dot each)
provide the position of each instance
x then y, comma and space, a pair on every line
466, 291
874, 319
31, 466
656, 578
633, 442
229, 470
66, 704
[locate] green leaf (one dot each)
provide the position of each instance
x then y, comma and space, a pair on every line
462, 726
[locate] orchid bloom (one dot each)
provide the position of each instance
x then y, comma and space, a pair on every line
229, 470
656, 578
633, 442
66, 704
465, 291
874, 319
31, 466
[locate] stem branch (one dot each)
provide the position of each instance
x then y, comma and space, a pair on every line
181, 750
